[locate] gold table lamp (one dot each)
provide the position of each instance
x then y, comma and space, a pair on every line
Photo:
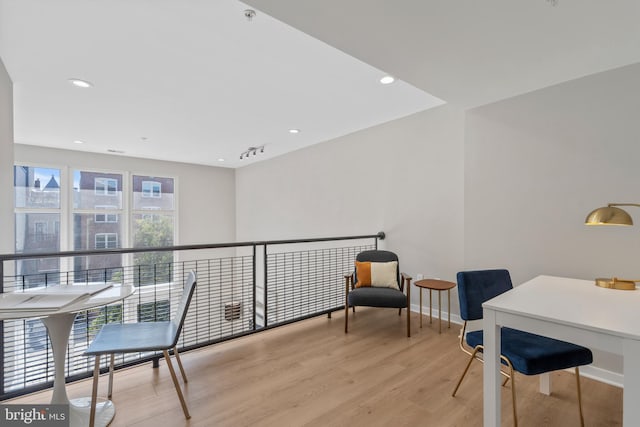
612, 215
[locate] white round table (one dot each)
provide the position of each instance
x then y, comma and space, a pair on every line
59, 323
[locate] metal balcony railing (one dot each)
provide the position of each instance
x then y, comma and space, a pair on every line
243, 288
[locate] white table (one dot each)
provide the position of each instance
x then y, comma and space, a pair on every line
59, 324
571, 310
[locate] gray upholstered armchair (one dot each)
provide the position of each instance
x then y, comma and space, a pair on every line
377, 282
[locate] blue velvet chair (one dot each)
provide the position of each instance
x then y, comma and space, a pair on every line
142, 337
527, 353
377, 296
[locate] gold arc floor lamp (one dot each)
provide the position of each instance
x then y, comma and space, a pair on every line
612, 215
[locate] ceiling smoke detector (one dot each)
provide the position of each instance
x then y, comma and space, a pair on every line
249, 14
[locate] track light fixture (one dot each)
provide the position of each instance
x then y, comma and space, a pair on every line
251, 151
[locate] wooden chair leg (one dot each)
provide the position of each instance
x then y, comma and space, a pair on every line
346, 319
176, 384
184, 376
473, 356
110, 392
408, 322
94, 392
346, 304
409, 308
579, 396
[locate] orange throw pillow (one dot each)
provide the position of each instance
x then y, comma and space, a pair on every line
377, 274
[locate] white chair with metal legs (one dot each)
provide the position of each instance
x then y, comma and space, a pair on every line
138, 337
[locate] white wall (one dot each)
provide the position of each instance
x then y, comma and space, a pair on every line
206, 195
537, 164
6, 162
404, 177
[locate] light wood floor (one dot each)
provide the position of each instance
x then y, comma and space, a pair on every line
312, 374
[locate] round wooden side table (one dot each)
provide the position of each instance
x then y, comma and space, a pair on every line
436, 285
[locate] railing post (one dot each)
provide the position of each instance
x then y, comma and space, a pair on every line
1, 332
254, 287
265, 282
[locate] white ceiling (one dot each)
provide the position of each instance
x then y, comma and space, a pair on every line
200, 82
191, 81
473, 52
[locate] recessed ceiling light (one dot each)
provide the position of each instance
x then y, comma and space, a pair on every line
221, 160
80, 83
294, 130
77, 141
387, 80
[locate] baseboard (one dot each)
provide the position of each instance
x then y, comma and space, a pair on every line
608, 377
591, 371
455, 318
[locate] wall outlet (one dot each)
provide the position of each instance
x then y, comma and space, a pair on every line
419, 276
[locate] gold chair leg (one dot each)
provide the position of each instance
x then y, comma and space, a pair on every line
513, 395
175, 383
110, 392
506, 380
184, 376
94, 392
473, 356
579, 396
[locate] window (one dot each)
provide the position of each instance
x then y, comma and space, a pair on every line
106, 240
74, 209
152, 229
105, 217
151, 189
152, 192
97, 210
41, 231
105, 186
37, 222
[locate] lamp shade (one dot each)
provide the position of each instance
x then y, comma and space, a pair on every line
608, 215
